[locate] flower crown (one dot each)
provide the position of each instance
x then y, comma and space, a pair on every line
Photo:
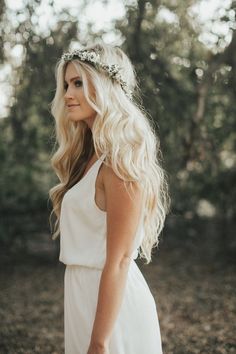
113, 70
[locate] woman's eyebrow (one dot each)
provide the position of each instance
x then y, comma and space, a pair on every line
73, 78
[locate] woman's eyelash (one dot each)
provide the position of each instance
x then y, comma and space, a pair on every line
77, 83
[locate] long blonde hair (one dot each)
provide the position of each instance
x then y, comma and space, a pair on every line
121, 130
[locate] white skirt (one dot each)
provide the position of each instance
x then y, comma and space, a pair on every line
136, 330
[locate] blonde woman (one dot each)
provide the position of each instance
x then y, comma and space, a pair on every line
110, 204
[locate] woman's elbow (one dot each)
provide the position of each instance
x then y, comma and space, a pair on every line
119, 263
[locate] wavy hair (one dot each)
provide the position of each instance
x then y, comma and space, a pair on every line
122, 131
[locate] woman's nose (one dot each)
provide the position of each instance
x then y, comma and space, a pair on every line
69, 93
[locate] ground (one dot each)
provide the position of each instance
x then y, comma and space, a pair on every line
195, 300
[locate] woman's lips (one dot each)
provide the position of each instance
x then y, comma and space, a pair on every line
72, 106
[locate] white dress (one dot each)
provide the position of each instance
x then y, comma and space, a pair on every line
83, 251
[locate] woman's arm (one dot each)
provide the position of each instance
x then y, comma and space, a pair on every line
122, 220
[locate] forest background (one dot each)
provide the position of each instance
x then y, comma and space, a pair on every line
188, 87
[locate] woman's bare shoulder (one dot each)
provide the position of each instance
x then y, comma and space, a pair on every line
114, 184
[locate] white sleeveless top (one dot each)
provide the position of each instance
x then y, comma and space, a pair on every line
83, 224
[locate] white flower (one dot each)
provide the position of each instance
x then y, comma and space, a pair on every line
113, 70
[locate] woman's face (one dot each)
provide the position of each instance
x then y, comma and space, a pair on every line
76, 104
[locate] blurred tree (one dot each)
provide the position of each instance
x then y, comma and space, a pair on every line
188, 89
179, 79
27, 131
190, 92
2, 11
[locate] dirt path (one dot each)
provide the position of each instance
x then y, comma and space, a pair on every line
195, 302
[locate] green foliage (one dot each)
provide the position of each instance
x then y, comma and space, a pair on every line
188, 90
2, 11
26, 135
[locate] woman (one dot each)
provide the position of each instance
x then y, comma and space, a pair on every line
110, 204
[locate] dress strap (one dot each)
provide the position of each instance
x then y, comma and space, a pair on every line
96, 165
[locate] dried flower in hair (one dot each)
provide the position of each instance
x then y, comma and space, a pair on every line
113, 70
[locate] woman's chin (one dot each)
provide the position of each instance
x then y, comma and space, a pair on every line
73, 117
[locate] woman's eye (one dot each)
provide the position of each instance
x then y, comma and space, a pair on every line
78, 83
